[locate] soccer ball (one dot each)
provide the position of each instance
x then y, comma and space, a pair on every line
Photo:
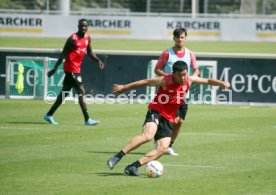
154, 169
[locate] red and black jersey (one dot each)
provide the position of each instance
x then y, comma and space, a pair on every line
76, 54
169, 99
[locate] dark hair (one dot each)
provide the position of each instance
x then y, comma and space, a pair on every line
177, 32
179, 66
83, 20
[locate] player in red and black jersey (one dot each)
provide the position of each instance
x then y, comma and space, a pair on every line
161, 113
76, 46
164, 67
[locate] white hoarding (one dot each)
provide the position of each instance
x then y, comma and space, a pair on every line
112, 27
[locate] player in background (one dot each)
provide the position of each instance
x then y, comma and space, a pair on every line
164, 67
75, 48
161, 113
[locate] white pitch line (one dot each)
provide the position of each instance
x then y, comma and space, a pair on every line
193, 166
23, 128
112, 138
190, 166
213, 134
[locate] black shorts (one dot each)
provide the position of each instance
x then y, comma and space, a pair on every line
73, 80
182, 111
164, 127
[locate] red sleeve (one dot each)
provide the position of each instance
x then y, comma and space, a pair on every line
193, 60
163, 59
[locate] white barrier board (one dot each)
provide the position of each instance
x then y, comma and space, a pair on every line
156, 28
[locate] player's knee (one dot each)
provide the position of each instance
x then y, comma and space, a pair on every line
148, 138
64, 93
81, 91
162, 150
178, 121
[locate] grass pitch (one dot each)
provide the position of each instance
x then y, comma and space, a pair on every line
146, 45
223, 150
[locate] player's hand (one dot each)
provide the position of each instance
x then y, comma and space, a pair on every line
101, 64
226, 85
51, 72
118, 88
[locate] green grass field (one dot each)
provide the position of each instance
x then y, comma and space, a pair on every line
148, 45
223, 150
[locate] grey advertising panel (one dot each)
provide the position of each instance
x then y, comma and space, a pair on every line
253, 79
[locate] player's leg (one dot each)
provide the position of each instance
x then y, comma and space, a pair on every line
162, 138
161, 149
147, 135
149, 130
178, 121
67, 86
78, 85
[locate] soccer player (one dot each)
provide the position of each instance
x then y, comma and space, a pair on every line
161, 113
75, 48
164, 67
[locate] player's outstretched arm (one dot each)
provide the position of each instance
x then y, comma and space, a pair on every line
210, 81
159, 81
